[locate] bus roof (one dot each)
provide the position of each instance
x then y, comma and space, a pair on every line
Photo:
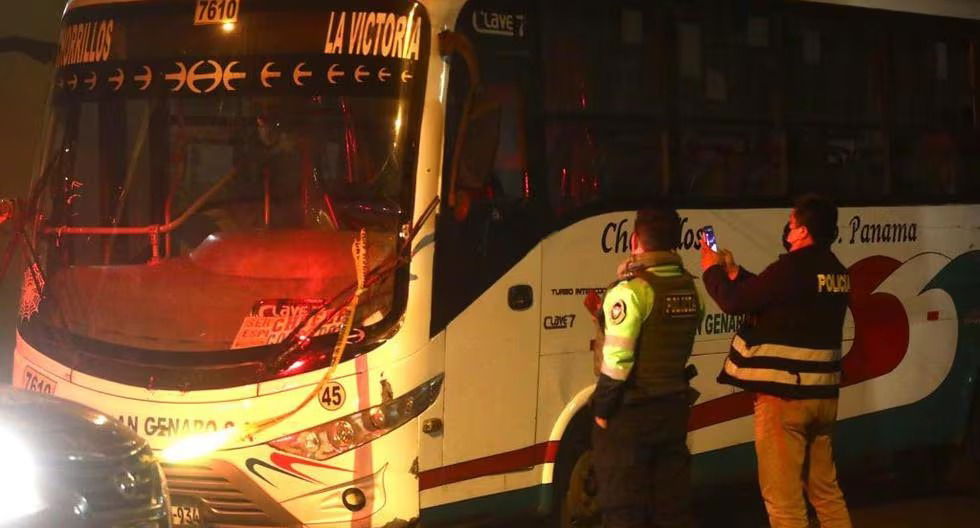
72, 4
948, 8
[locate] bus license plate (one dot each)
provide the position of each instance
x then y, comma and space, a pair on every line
182, 515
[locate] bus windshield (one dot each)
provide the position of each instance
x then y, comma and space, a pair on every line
202, 185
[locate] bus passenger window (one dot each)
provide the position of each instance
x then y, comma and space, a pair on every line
729, 138
723, 161
605, 97
604, 58
836, 142
612, 165
935, 138
842, 162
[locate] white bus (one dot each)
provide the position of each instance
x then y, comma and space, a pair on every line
209, 164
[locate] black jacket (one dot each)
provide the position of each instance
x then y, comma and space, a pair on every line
790, 343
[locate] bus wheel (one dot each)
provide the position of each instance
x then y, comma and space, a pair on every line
575, 493
579, 508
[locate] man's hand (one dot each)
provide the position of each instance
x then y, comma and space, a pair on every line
623, 269
593, 303
602, 423
728, 260
708, 257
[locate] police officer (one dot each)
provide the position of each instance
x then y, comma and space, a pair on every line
789, 354
641, 401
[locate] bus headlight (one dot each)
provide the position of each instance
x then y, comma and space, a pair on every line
343, 434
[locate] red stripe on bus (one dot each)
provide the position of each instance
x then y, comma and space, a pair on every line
510, 461
720, 410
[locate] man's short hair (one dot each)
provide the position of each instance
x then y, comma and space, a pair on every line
819, 215
658, 229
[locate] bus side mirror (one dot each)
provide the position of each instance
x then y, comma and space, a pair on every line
39, 50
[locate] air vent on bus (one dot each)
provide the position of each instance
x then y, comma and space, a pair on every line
224, 503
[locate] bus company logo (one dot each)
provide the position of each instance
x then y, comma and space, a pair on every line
210, 72
373, 34
169, 426
559, 322
615, 237
86, 42
499, 24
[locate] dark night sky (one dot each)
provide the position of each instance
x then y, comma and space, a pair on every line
23, 91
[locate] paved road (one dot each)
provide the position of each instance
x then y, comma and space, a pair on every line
936, 511
945, 511
940, 512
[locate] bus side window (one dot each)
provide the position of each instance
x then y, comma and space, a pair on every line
604, 68
730, 139
935, 137
475, 181
835, 107
492, 161
493, 220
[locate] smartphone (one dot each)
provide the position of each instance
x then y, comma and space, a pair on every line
709, 235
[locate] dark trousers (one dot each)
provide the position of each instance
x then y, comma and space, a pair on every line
643, 467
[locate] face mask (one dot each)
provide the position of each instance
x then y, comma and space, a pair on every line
785, 242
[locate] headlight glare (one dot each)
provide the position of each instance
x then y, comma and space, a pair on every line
19, 493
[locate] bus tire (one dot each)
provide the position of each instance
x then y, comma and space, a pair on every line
575, 491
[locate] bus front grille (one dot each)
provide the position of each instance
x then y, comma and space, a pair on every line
225, 496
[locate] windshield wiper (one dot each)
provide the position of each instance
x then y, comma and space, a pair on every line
402, 256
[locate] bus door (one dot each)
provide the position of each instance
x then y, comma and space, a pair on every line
487, 283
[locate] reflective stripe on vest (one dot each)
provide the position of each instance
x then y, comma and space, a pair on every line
781, 370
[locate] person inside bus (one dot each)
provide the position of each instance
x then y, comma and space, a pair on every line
789, 354
642, 398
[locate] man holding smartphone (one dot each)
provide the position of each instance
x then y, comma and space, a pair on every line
642, 397
789, 354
